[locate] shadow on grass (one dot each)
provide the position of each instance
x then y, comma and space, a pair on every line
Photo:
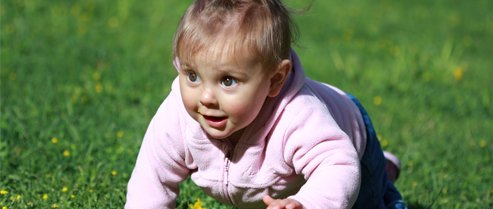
417, 205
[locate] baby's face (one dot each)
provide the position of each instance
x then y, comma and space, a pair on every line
224, 93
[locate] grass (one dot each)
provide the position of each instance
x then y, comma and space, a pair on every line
80, 81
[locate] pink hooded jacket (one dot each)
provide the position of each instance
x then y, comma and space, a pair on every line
305, 144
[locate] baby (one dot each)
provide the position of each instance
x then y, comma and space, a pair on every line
249, 128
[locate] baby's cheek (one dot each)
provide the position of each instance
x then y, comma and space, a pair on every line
191, 107
237, 109
244, 111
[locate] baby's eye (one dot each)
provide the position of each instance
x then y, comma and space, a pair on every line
192, 77
229, 81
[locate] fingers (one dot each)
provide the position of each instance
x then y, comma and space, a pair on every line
272, 203
293, 205
268, 200
281, 203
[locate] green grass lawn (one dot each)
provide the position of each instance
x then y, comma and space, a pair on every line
80, 81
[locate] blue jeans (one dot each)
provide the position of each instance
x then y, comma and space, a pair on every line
376, 191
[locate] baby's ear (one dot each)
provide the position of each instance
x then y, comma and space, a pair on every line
280, 76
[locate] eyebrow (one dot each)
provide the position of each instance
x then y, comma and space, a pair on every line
224, 69
232, 71
185, 66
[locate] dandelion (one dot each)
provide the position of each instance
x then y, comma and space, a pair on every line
45, 197
4, 192
72, 196
13, 76
377, 100
76, 95
348, 35
444, 175
4, 207
96, 76
196, 205
15, 198
482, 143
458, 73
54, 140
445, 190
98, 88
54, 205
385, 143
426, 76
64, 189
114, 173
394, 50
113, 22
119, 134
66, 153
410, 164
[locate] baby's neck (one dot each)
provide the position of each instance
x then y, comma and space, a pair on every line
235, 137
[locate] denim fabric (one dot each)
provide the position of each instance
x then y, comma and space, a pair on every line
376, 191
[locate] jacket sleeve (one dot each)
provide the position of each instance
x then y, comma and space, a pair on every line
320, 151
160, 165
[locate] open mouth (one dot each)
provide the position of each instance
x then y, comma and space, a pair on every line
216, 122
214, 119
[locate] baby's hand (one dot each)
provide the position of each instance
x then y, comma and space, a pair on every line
281, 203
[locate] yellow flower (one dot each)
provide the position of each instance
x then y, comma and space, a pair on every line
72, 196
4, 207
410, 163
482, 143
4, 192
66, 153
54, 140
458, 73
119, 134
385, 143
113, 22
54, 205
45, 196
13, 76
415, 184
377, 100
64, 189
445, 190
114, 173
196, 205
98, 88
96, 76
426, 76
15, 198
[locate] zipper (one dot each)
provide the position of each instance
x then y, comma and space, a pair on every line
227, 163
226, 180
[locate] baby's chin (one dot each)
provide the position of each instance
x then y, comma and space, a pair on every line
223, 135
217, 135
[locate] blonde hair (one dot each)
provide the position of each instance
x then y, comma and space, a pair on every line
264, 27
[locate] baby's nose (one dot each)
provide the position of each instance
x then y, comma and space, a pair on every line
208, 98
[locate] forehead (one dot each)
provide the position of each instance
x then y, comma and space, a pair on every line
225, 48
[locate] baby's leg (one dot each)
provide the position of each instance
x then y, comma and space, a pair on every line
377, 189
392, 166
392, 197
